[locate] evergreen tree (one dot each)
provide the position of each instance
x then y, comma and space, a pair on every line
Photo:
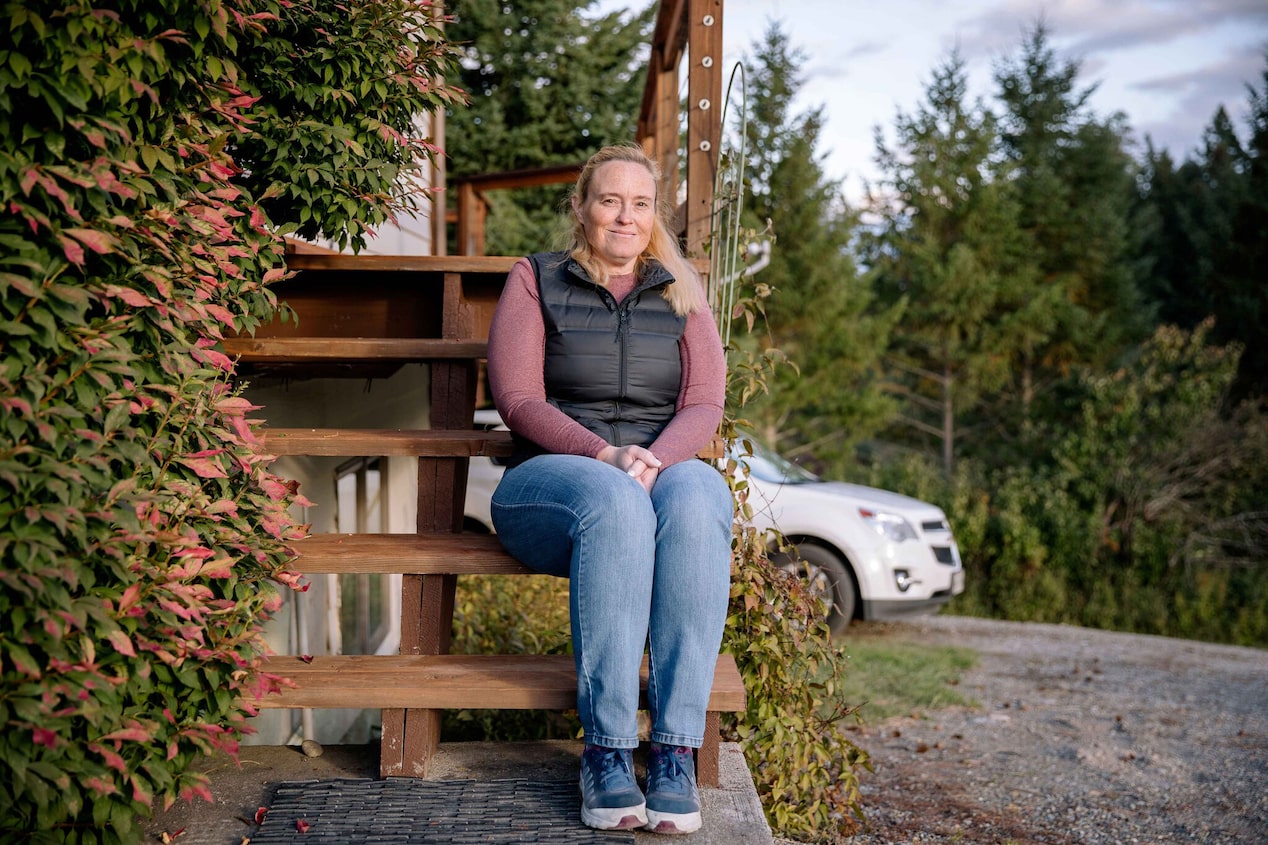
817, 316
1075, 185
1239, 285
549, 84
1189, 210
1209, 236
948, 248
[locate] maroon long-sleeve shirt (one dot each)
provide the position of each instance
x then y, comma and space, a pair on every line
517, 350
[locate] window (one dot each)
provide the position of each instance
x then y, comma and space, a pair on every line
364, 599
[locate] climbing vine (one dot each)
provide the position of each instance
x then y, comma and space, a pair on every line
146, 179
804, 765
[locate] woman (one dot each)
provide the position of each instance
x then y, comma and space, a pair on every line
605, 362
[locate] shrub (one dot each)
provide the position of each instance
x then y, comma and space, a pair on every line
144, 539
793, 734
500, 614
1147, 515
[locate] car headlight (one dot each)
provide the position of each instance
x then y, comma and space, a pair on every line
891, 526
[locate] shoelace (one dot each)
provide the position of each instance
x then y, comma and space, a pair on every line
612, 768
672, 771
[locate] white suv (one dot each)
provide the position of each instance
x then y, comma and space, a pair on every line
871, 554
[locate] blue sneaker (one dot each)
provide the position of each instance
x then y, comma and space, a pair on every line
610, 797
673, 802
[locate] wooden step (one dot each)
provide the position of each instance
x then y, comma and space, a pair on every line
496, 265
423, 443
455, 681
350, 350
430, 443
407, 554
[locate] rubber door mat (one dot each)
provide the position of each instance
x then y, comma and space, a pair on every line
406, 811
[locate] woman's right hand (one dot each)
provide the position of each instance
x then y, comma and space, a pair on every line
635, 461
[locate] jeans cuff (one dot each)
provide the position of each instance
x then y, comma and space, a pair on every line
677, 739
611, 741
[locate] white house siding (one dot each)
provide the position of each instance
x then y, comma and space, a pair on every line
397, 402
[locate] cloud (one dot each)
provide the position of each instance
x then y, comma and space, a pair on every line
838, 64
1166, 64
1085, 27
1157, 22
1197, 94
866, 48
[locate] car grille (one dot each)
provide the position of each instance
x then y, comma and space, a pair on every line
944, 555
935, 525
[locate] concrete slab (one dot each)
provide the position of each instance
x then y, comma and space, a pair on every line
732, 812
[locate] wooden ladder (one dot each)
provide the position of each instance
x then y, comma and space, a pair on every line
415, 686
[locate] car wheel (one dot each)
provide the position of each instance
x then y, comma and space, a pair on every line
827, 576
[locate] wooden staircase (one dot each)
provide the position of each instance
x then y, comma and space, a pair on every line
365, 317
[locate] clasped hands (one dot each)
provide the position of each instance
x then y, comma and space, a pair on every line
634, 461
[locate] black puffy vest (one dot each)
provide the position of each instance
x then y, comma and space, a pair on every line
614, 368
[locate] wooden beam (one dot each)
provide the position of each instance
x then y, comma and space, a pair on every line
669, 31
526, 178
439, 162
407, 554
498, 681
354, 442
350, 349
470, 218
669, 39
704, 117
489, 264
668, 110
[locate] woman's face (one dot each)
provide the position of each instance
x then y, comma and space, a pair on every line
618, 213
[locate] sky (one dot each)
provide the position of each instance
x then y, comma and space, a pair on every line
1166, 64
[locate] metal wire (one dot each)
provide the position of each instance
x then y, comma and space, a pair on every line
725, 258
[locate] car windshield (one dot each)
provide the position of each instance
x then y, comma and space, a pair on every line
767, 465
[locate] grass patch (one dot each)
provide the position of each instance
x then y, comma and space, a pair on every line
898, 677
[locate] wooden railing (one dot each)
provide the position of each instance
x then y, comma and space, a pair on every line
687, 31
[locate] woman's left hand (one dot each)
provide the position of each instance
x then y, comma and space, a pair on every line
647, 478
635, 461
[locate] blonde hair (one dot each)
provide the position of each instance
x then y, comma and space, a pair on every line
686, 293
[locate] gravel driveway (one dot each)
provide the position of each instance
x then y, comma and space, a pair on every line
1081, 736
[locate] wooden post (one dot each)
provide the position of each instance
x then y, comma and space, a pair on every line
707, 757
664, 140
704, 117
411, 737
473, 210
439, 168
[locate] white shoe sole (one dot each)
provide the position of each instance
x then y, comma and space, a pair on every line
670, 823
615, 818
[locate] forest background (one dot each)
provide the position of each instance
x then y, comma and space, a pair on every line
1058, 342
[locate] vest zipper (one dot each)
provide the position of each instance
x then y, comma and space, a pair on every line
622, 335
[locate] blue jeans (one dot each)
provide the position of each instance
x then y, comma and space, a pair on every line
642, 569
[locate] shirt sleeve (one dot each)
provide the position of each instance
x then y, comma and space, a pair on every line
701, 396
